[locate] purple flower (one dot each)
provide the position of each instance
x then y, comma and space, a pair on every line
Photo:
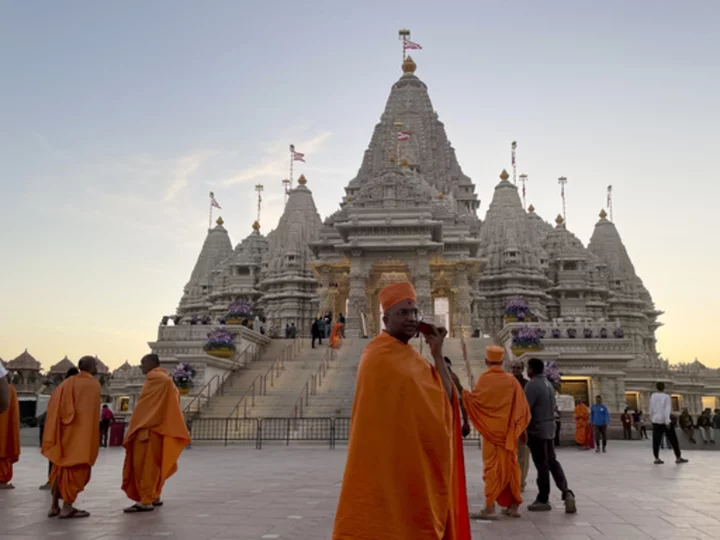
517, 307
183, 374
587, 333
603, 333
572, 333
619, 333
240, 308
552, 372
526, 338
219, 338
556, 333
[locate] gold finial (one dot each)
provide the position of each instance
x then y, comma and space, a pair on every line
256, 225
441, 196
349, 198
504, 175
531, 209
392, 158
403, 162
603, 214
302, 180
220, 221
409, 65
559, 219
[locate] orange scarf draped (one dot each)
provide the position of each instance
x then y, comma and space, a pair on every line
404, 477
499, 410
9, 438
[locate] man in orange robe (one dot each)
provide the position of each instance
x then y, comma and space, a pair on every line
336, 335
9, 439
583, 429
71, 438
155, 439
498, 409
404, 478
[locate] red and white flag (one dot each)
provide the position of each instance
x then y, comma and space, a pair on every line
410, 45
513, 147
609, 196
213, 202
296, 156
404, 135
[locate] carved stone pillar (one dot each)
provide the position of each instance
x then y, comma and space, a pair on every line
357, 297
462, 314
620, 393
422, 285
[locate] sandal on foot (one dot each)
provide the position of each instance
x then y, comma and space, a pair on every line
136, 508
158, 503
54, 513
75, 514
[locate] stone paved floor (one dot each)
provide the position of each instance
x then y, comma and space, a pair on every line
283, 493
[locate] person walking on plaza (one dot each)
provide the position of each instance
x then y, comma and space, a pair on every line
498, 409
41, 425
600, 420
541, 399
639, 421
4, 389
72, 439
523, 456
106, 418
404, 475
9, 438
626, 419
662, 425
155, 439
705, 427
583, 429
687, 425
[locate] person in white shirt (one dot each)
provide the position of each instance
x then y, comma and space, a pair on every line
4, 389
660, 417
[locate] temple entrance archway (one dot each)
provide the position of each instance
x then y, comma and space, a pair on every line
442, 311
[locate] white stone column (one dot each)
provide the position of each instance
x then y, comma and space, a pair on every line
357, 296
461, 314
422, 287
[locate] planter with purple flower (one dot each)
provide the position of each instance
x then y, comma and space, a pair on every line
572, 333
220, 344
552, 373
183, 376
619, 333
603, 333
517, 310
556, 333
525, 340
238, 312
587, 333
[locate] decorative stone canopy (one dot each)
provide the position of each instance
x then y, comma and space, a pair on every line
62, 367
24, 361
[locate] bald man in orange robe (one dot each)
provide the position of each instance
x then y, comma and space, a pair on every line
9, 439
499, 410
72, 438
155, 439
404, 476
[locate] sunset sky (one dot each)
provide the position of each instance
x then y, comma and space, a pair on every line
117, 119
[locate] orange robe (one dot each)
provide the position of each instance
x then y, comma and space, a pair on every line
155, 439
72, 436
583, 429
499, 410
336, 335
404, 476
9, 438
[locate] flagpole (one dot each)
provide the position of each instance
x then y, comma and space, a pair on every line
286, 188
609, 202
562, 181
210, 212
523, 180
259, 189
292, 158
398, 127
403, 35
513, 146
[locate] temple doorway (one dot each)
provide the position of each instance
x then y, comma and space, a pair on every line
442, 312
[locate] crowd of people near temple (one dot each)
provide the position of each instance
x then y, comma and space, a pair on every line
405, 469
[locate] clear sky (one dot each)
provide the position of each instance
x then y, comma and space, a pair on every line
117, 118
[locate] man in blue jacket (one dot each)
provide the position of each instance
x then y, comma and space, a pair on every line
600, 420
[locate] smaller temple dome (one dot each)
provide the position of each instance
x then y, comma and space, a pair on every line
62, 366
409, 65
531, 209
24, 361
603, 214
220, 221
302, 180
256, 225
559, 219
504, 175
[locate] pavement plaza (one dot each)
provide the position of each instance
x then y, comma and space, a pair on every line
291, 493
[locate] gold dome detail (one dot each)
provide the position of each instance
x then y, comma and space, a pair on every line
220, 221
559, 219
349, 198
441, 196
403, 162
256, 225
603, 214
409, 65
302, 180
531, 209
504, 175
